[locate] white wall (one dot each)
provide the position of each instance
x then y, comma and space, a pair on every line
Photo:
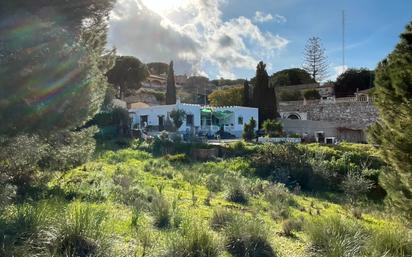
154, 111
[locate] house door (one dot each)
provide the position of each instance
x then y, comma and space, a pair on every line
161, 123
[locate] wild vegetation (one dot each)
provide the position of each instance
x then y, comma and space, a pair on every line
267, 200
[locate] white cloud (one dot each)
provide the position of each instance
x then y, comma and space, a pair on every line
338, 71
280, 19
262, 17
195, 37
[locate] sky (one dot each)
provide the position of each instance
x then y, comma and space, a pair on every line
227, 38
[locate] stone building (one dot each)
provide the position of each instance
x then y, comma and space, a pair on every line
330, 119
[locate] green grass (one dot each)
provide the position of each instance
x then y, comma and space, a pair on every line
136, 204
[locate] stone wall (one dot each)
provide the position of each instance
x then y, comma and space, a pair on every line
347, 113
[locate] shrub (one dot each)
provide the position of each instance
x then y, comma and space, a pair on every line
336, 237
311, 94
355, 185
193, 241
272, 128
22, 222
280, 199
248, 238
291, 225
237, 193
20, 159
79, 233
177, 158
249, 130
214, 183
161, 211
390, 241
222, 218
290, 95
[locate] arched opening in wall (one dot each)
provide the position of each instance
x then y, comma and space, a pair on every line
293, 117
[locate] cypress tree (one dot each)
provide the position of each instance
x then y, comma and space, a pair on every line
246, 93
264, 97
171, 86
393, 132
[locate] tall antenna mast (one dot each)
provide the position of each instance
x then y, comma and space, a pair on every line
343, 40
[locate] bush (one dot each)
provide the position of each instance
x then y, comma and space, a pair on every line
79, 233
161, 211
272, 128
280, 199
249, 130
248, 238
311, 94
290, 95
222, 218
390, 241
193, 241
237, 193
355, 186
336, 237
177, 158
291, 225
214, 183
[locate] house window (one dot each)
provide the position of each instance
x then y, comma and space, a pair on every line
189, 120
240, 120
143, 120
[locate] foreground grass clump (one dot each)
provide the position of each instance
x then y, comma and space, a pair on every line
193, 241
336, 237
80, 233
390, 241
248, 238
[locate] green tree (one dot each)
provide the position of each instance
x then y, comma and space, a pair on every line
249, 130
158, 68
352, 80
273, 128
311, 94
290, 77
127, 74
290, 95
227, 97
52, 75
246, 93
264, 96
393, 131
171, 86
315, 61
177, 116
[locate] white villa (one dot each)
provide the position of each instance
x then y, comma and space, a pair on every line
199, 119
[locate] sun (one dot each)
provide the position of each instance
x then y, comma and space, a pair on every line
163, 7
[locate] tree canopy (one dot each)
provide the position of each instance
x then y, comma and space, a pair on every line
264, 96
315, 61
158, 68
352, 80
52, 75
171, 86
290, 77
227, 97
393, 131
127, 74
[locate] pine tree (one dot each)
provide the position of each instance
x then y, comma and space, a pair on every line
315, 61
52, 75
393, 132
171, 86
264, 97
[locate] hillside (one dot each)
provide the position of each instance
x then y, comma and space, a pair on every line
129, 202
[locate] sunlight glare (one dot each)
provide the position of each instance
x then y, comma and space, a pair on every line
163, 7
